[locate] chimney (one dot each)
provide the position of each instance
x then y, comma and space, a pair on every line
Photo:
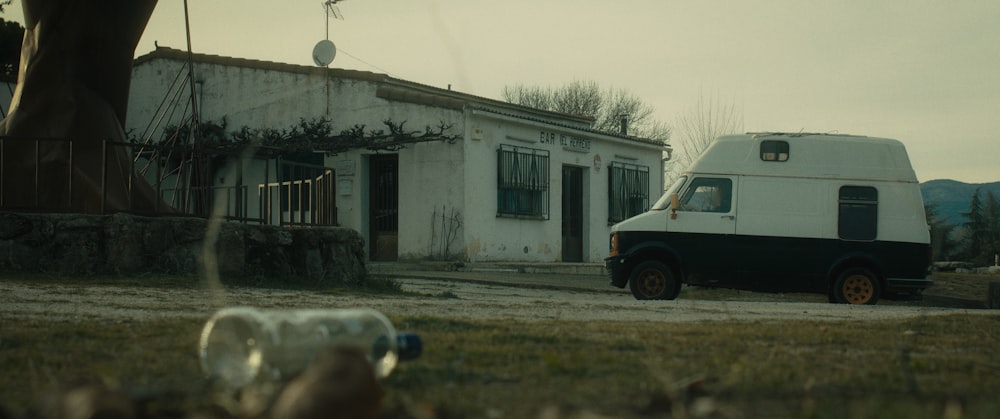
624, 123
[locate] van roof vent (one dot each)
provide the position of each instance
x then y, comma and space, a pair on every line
799, 134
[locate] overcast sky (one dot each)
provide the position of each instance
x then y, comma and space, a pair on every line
926, 72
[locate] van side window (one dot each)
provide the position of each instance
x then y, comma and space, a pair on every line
708, 195
772, 150
858, 215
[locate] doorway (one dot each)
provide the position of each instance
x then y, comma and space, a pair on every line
383, 204
572, 214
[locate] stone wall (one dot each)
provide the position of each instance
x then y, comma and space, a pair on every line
122, 244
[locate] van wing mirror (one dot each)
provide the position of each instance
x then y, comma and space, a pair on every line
674, 204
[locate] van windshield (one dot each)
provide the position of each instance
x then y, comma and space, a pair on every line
664, 201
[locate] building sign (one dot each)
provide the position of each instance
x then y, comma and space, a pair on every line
566, 141
345, 167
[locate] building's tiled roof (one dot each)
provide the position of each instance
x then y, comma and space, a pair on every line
176, 54
553, 123
391, 88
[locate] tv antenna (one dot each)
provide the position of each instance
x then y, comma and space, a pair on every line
330, 9
325, 50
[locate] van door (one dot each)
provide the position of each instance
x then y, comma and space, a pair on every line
704, 227
707, 206
780, 230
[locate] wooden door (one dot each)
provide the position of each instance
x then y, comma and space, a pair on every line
383, 218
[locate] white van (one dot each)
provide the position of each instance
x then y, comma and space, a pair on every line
834, 214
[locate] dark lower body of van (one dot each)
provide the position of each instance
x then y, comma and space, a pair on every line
835, 267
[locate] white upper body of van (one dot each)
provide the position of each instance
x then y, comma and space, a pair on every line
793, 185
826, 156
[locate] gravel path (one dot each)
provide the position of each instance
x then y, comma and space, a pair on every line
26, 300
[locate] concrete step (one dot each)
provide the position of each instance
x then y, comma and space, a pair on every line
556, 268
541, 268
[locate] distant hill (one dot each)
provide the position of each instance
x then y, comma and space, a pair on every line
952, 197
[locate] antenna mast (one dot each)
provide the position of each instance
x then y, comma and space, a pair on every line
325, 51
330, 8
194, 101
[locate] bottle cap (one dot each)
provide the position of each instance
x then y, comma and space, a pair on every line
410, 345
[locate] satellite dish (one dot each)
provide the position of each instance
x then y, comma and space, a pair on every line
323, 53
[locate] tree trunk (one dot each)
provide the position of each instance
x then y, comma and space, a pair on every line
73, 85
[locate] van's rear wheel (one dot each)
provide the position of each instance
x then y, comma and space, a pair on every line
652, 280
856, 286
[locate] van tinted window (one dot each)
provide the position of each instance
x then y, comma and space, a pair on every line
858, 215
708, 195
771, 150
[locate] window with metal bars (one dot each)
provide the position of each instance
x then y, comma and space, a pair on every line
522, 182
628, 191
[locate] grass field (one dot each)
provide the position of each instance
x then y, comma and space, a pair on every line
930, 367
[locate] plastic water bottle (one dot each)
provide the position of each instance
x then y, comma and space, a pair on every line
242, 345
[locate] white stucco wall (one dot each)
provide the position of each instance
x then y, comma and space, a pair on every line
244, 97
492, 238
431, 176
443, 188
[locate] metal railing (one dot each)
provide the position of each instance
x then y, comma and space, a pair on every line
309, 199
57, 176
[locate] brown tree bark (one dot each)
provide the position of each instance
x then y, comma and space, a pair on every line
72, 89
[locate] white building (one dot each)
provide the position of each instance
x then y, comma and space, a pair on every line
518, 184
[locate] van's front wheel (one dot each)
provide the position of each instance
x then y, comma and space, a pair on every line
856, 286
652, 280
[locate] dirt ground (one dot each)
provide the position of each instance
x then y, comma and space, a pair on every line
493, 299
461, 299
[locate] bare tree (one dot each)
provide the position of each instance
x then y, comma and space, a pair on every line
532, 97
586, 98
698, 128
578, 98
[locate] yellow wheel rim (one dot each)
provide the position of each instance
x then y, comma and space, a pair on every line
858, 289
652, 282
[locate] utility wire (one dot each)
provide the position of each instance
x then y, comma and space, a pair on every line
367, 63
